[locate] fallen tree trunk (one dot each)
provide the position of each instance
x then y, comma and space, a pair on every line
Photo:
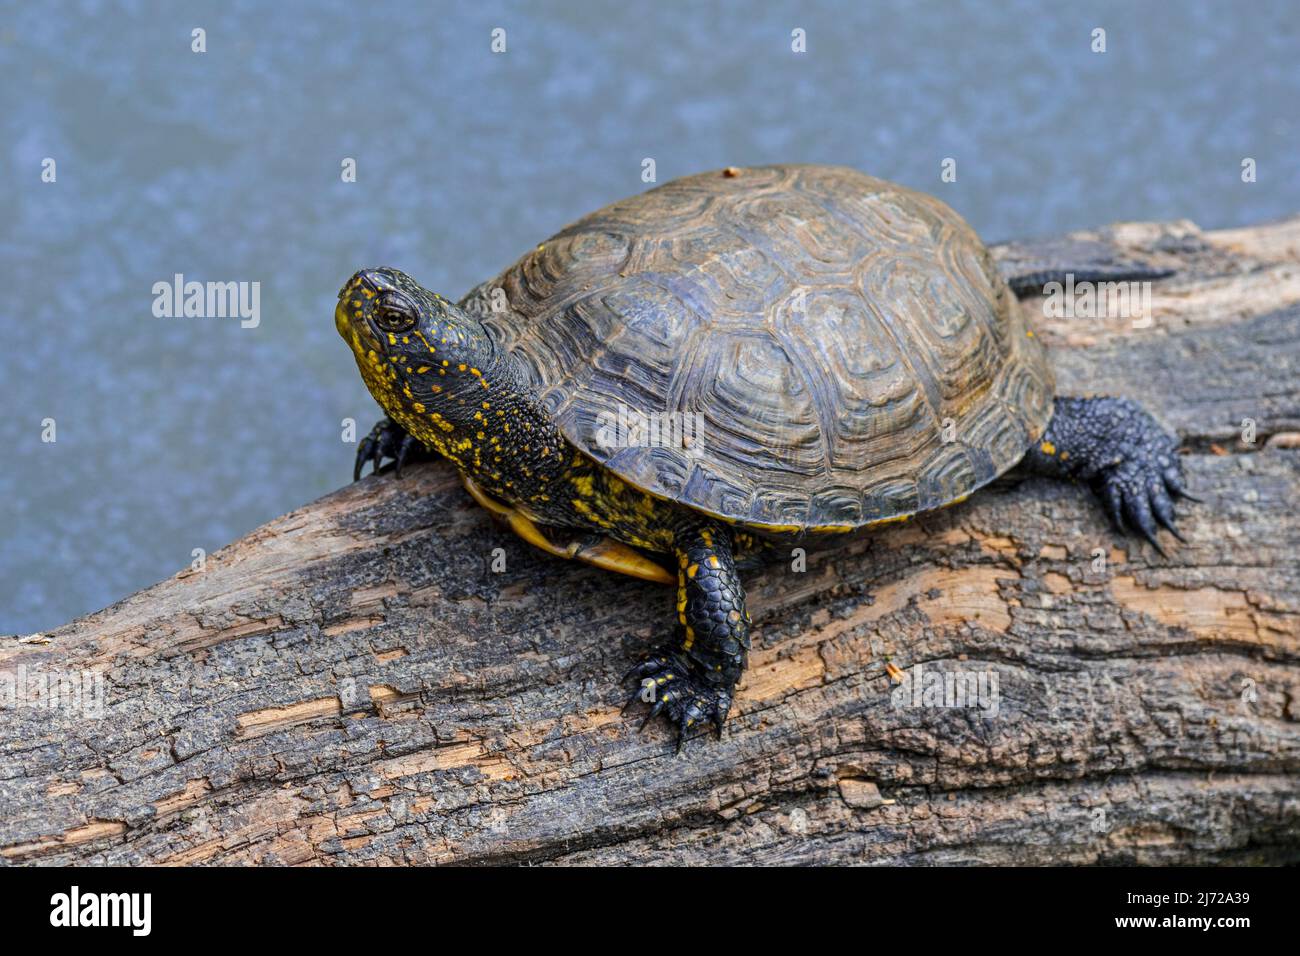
353, 683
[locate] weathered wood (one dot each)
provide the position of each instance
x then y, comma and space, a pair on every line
353, 684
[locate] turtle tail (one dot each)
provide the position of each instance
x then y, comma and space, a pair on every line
1032, 283
1028, 267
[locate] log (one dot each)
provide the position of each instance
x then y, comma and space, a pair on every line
354, 682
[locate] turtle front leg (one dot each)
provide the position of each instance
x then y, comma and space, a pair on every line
1132, 462
388, 440
693, 681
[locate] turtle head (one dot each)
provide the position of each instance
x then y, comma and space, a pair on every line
422, 357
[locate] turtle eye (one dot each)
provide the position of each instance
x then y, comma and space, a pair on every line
395, 312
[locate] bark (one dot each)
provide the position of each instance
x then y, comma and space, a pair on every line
354, 683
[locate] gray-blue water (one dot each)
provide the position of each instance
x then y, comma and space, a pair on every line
174, 434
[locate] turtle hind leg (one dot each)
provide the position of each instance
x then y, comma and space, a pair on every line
1130, 460
694, 681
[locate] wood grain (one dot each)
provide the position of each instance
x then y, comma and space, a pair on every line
351, 683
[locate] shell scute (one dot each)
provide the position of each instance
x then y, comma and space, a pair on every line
847, 345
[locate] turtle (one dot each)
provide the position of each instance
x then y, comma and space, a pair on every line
694, 377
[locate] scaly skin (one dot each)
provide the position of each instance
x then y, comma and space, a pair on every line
436, 373
1113, 444
445, 387
695, 680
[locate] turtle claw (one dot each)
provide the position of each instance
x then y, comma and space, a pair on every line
679, 693
365, 452
1139, 490
1171, 473
404, 452
1131, 461
654, 712
386, 440
636, 695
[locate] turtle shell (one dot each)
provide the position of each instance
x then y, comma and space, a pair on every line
837, 350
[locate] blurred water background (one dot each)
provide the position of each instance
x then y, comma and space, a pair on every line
176, 434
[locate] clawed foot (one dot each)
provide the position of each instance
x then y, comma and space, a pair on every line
1138, 471
1130, 460
671, 685
1140, 490
386, 440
